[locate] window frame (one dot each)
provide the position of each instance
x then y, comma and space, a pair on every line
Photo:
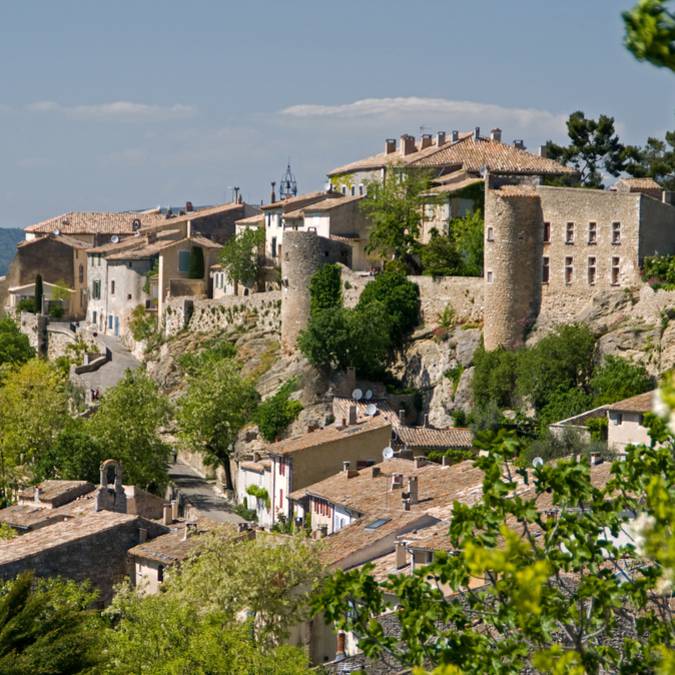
569, 267
569, 233
592, 229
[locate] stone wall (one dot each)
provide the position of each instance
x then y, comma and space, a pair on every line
463, 294
204, 315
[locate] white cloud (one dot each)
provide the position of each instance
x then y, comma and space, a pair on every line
123, 111
427, 109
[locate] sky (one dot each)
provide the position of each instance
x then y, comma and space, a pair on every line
135, 104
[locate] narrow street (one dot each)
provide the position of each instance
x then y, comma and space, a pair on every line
201, 495
109, 374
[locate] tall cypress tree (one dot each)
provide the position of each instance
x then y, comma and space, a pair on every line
38, 294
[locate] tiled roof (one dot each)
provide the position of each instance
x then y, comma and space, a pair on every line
293, 203
27, 516
341, 407
328, 434
641, 403
636, 184
367, 493
87, 222
257, 219
58, 492
147, 250
330, 204
426, 437
194, 216
61, 533
63, 238
455, 185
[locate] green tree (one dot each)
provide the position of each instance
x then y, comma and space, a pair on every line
46, 627
650, 33
468, 238
594, 148
196, 263
217, 404
38, 294
400, 299
560, 592
275, 413
440, 257
325, 289
494, 378
240, 257
126, 427
656, 159
15, 348
564, 403
395, 207
618, 378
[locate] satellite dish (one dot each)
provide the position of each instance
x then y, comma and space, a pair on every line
114, 239
388, 452
537, 462
371, 409
357, 394
136, 224
369, 394
56, 232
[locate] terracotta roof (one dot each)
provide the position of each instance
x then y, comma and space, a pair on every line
147, 250
88, 222
641, 403
57, 492
342, 404
124, 243
636, 184
297, 202
455, 185
330, 204
28, 516
329, 434
426, 437
366, 493
62, 238
61, 533
193, 216
257, 219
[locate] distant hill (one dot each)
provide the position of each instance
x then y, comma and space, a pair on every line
9, 238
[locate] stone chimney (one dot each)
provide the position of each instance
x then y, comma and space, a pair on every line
273, 197
476, 133
375, 471
496, 135
426, 141
348, 471
389, 146
413, 489
542, 151
352, 415
420, 461
454, 135
440, 138
406, 145
401, 416
166, 515
401, 555
36, 494
519, 144
188, 207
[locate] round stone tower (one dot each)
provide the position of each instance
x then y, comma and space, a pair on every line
302, 255
512, 264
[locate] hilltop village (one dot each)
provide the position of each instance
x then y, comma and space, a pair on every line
364, 374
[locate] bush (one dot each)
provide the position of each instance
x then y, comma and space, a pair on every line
325, 290
659, 271
494, 378
259, 493
617, 378
564, 403
277, 412
15, 348
440, 257
142, 324
56, 310
26, 305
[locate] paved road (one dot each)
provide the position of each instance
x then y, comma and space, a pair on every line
109, 374
201, 494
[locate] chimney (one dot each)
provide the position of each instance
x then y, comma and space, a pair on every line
440, 138
413, 490
390, 146
425, 423
426, 141
174, 509
445, 461
401, 555
454, 135
188, 207
476, 133
36, 494
352, 415
187, 531
496, 135
519, 144
166, 514
407, 145
542, 151
420, 461
142, 535
340, 646
401, 415
376, 471
396, 481
348, 471
273, 198
346, 466
405, 503
236, 195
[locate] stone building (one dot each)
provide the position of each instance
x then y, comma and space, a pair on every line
549, 250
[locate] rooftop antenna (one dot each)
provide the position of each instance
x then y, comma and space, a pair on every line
288, 186
357, 394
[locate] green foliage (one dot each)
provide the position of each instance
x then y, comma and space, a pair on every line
45, 627
39, 294
650, 33
325, 290
451, 455
395, 206
127, 424
597, 427
659, 271
276, 412
564, 403
15, 348
196, 263
454, 374
142, 324
594, 149
7, 532
558, 588
617, 378
494, 378
240, 256
152, 272
26, 305
656, 159
448, 317
400, 299
244, 512
56, 310
440, 257
217, 404
259, 493
210, 352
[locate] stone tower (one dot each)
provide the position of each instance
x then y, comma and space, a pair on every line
303, 253
512, 264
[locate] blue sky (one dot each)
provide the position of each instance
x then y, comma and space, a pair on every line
108, 106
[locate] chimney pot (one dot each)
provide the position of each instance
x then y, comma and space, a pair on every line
401, 415
166, 514
376, 471
420, 461
542, 151
476, 133
389, 146
407, 145
405, 502
346, 466
496, 135
273, 197
425, 141
440, 138
36, 494
352, 415
188, 207
454, 135
401, 555
174, 509
413, 490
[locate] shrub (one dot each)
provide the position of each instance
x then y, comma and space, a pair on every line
659, 271
494, 379
564, 403
26, 305
56, 310
325, 290
617, 378
448, 317
440, 257
142, 324
259, 493
277, 412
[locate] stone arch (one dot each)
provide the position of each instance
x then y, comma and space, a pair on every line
105, 468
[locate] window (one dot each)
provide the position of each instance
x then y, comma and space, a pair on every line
281, 499
96, 290
616, 233
545, 270
93, 317
112, 287
592, 233
547, 232
377, 523
110, 320
489, 276
591, 270
274, 247
616, 266
353, 190
490, 234
282, 468
128, 296
569, 233
361, 189
81, 274
183, 261
569, 269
